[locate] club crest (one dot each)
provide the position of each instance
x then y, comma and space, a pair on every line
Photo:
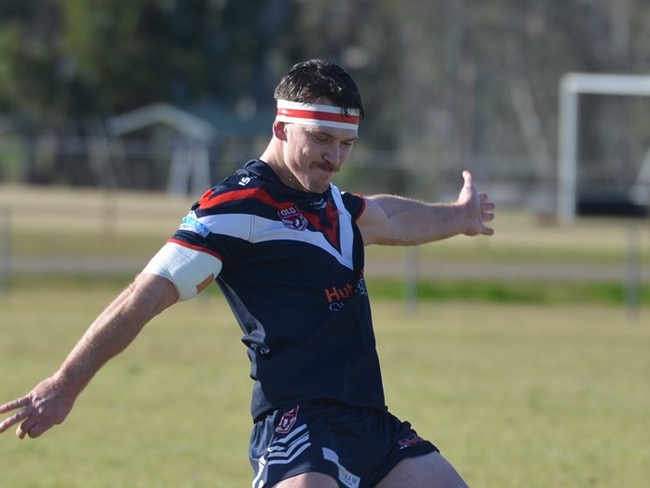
292, 218
287, 421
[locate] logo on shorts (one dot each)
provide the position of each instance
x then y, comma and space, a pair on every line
292, 218
287, 421
408, 441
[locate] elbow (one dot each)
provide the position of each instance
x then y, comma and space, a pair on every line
152, 294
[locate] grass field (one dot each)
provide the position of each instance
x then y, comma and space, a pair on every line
515, 395
520, 383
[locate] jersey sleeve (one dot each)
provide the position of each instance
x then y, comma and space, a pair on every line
354, 203
212, 222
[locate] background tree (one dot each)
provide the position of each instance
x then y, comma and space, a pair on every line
446, 84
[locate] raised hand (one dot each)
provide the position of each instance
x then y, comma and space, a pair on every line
479, 207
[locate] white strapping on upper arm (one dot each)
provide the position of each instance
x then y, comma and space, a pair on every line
189, 270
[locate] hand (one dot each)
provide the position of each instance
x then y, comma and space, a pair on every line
45, 406
479, 208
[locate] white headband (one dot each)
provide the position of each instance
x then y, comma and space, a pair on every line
319, 115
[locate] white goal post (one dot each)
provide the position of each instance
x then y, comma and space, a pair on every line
572, 85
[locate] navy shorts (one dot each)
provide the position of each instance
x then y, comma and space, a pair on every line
356, 446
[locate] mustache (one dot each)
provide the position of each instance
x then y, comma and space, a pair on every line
324, 165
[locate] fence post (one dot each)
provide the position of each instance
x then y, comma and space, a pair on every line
5, 249
633, 280
411, 274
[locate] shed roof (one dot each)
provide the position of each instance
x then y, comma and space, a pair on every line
161, 113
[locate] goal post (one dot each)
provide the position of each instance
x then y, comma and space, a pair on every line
572, 85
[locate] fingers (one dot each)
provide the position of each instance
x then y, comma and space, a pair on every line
487, 231
487, 214
33, 432
41, 409
13, 420
485, 205
14, 404
18, 416
24, 430
30, 425
26, 427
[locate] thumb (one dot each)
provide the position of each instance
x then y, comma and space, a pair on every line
467, 176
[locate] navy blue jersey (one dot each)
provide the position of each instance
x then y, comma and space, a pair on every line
293, 276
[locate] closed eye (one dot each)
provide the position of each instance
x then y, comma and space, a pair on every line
326, 138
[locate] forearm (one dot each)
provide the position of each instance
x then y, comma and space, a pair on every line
113, 330
51, 400
393, 220
410, 222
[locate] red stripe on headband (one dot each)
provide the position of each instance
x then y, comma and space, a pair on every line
318, 115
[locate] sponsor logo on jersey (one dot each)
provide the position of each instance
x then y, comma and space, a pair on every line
292, 218
337, 296
192, 224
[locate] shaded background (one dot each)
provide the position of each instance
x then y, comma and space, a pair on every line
162, 94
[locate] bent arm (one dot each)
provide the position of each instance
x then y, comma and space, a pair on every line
393, 220
49, 402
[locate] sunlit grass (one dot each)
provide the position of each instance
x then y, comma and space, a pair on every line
514, 394
64, 223
521, 383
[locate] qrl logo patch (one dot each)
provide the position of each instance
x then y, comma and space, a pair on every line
409, 440
287, 421
292, 218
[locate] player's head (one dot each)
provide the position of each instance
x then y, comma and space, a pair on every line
309, 82
318, 113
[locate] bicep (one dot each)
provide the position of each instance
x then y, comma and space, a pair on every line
374, 222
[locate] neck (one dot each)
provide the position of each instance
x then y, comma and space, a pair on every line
272, 156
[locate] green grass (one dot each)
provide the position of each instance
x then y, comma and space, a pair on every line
520, 382
394, 289
518, 291
514, 394
64, 223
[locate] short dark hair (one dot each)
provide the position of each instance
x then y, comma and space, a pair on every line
310, 80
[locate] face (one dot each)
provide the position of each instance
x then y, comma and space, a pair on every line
313, 155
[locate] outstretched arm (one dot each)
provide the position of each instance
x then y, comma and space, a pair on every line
49, 402
394, 220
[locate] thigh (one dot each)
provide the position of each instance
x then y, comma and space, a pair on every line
308, 480
423, 472
291, 448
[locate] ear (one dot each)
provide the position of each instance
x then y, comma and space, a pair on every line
279, 130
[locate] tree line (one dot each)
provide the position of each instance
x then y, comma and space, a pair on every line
445, 82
